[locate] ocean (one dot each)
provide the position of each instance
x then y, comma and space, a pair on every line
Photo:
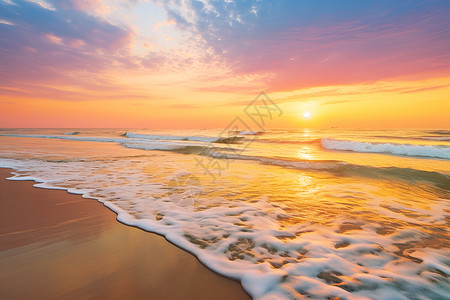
291, 213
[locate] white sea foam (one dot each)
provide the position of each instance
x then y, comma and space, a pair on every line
245, 240
388, 148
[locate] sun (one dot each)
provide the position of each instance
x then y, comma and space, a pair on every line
306, 115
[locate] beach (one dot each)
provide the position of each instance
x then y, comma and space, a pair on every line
55, 245
286, 213
195, 149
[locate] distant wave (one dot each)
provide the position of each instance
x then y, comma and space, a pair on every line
427, 138
72, 138
229, 140
387, 148
332, 166
247, 132
185, 145
71, 133
283, 141
441, 132
436, 138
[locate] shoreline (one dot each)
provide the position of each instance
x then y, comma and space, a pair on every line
60, 245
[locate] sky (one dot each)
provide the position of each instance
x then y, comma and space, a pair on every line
198, 64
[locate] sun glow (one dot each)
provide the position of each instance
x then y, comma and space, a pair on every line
306, 115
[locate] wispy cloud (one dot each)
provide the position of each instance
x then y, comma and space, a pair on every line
339, 94
189, 54
307, 44
426, 89
5, 22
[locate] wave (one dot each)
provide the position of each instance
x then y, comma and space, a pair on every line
70, 137
399, 137
71, 133
130, 137
436, 138
429, 138
442, 132
247, 132
229, 140
341, 168
436, 151
283, 141
182, 146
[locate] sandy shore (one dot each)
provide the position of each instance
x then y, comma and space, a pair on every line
54, 245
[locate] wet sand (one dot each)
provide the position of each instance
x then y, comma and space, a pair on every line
55, 245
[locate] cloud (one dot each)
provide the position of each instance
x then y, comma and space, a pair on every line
239, 47
339, 94
82, 5
426, 89
306, 43
6, 22
58, 46
71, 46
8, 2
87, 92
43, 4
93, 6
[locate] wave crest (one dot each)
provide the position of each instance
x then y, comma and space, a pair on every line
387, 148
206, 139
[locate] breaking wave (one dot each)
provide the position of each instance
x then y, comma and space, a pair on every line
206, 139
388, 148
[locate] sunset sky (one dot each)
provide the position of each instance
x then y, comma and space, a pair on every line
196, 64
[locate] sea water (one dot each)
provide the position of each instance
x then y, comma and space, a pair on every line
291, 213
